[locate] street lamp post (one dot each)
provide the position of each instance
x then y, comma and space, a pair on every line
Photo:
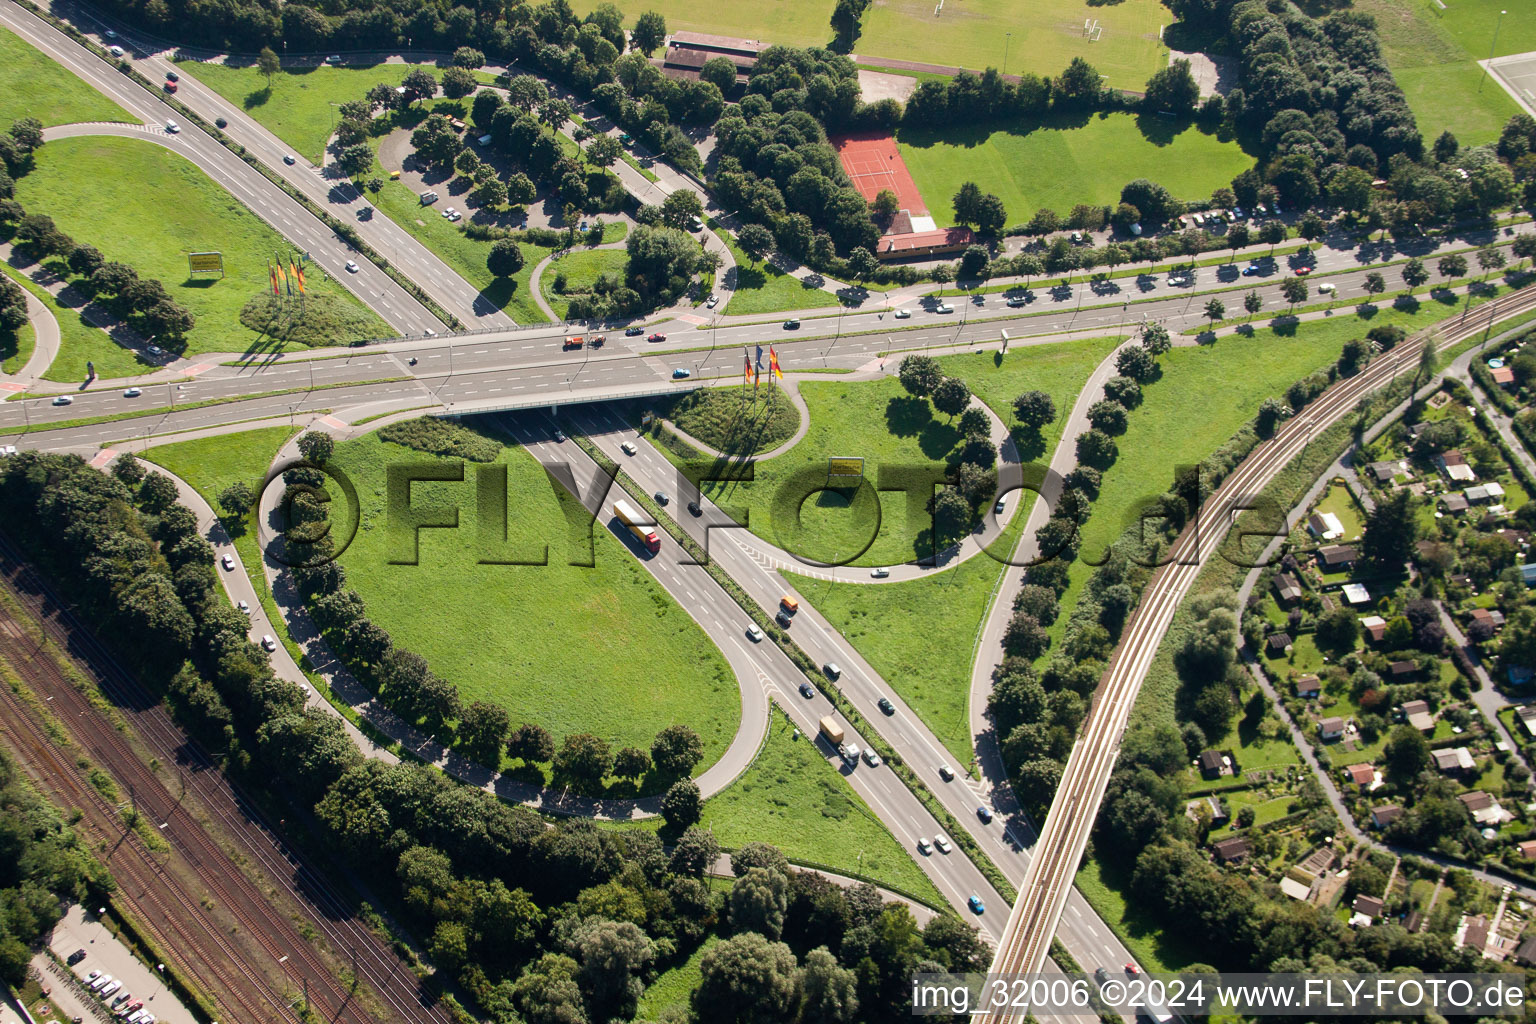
1007, 41
1493, 48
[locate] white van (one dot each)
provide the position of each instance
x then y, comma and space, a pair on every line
1326, 288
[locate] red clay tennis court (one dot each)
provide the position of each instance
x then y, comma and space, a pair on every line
873, 162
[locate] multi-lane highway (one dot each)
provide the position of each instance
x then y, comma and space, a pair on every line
1070, 821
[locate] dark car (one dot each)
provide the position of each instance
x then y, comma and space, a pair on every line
985, 814
807, 691
633, 332
693, 507
783, 619
220, 122
884, 704
75, 957
791, 325
171, 76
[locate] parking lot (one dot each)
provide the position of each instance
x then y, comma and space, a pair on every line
104, 953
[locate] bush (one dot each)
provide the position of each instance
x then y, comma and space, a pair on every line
439, 437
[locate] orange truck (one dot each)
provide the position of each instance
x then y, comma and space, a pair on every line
573, 342
635, 523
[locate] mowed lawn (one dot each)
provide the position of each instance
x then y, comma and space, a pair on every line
79, 342
795, 799
34, 85
581, 269
297, 107
143, 205
211, 464
1062, 162
919, 634
760, 287
1046, 35
1433, 54
603, 650
875, 420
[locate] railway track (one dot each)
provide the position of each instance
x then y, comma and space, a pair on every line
398, 990
1037, 912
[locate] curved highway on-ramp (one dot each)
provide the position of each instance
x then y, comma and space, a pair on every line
1064, 837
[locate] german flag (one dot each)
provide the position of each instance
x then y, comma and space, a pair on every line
298, 274
272, 275
746, 368
773, 363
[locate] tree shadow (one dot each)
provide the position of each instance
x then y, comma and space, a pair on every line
257, 98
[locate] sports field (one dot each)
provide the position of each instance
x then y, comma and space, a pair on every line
143, 205
874, 165
1061, 162
1433, 54
1042, 36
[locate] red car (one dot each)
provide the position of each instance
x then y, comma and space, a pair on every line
170, 86
657, 337
1303, 271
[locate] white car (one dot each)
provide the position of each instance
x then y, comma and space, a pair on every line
156, 351
923, 846
628, 448
132, 393
268, 643
755, 633
455, 216
288, 159
946, 772
115, 50
871, 758
942, 844
244, 606
903, 314
351, 266
172, 127
100, 983
228, 561
63, 400
713, 299
880, 573
943, 307
92, 977
107, 990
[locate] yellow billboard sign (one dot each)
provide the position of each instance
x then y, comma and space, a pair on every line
845, 466
206, 263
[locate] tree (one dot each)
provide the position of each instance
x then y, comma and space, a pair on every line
531, 743
885, 203
1272, 233
967, 202
1338, 630
1489, 259
505, 258
489, 194
1123, 390
1155, 338
317, 447
1108, 416
991, 215
458, 83
649, 33
676, 750
759, 897
1389, 532
419, 85
547, 992
845, 21
1096, 448
468, 57
1025, 637
756, 241
1173, 89
1524, 247
1406, 754
746, 979
268, 63
974, 423
603, 150
631, 763
951, 396
1454, 265
863, 263
1252, 303
719, 72
758, 854
951, 516
1215, 309
1415, 274
920, 375
680, 208
829, 991
483, 732
1034, 409
1375, 284
614, 956
695, 852
680, 805
1295, 290
355, 159
236, 499
583, 762
1135, 362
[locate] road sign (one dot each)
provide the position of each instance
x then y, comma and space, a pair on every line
847, 469
205, 263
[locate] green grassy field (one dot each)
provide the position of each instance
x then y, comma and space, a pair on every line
211, 464
297, 108
34, 85
975, 34
875, 420
762, 288
722, 419
1433, 54
1205, 394
145, 206
672, 990
79, 341
793, 798
581, 269
16, 347
1062, 162
919, 635
498, 632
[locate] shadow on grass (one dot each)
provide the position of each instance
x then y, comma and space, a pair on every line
258, 98
1159, 131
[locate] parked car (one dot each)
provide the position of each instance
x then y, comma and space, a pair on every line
428, 198
107, 990
75, 957
92, 976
